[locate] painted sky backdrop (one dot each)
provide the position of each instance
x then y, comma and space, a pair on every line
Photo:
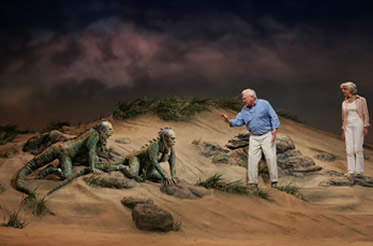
76, 60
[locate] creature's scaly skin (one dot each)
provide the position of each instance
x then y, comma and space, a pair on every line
66, 152
139, 165
144, 164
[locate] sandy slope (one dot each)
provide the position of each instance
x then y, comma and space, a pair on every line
91, 216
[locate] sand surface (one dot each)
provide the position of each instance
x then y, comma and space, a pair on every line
85, 215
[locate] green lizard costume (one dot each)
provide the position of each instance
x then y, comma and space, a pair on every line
143, 164
83, 147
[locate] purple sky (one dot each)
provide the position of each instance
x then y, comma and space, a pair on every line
75, 61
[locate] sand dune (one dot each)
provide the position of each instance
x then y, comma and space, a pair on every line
90, 216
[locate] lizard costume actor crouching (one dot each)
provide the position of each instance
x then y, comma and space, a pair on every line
81, 149
144, 164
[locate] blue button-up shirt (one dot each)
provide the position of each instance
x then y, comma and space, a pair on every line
259, 119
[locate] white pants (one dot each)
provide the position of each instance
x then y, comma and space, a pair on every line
354, 139
256, 145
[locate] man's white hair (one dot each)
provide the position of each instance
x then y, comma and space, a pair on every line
351, 86
249, 92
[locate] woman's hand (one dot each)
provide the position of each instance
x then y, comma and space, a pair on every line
343, 135
365, 131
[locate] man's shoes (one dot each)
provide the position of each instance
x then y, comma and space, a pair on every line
253, 186
359, 174
349, 175
274, 185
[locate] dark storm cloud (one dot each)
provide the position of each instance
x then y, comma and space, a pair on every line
72, 58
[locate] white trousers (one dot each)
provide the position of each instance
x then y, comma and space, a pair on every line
354, 139
256, 145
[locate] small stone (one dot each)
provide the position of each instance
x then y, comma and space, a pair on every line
150, 217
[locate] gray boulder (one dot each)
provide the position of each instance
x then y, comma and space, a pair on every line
184, 190
35, 145
150, 217
131, 202
283, 143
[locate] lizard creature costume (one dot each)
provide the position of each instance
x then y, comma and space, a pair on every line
143, 164
83, 147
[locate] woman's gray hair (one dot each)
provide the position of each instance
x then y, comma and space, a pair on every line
249, 92
351, 86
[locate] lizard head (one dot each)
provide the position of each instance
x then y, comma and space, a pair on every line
168, 137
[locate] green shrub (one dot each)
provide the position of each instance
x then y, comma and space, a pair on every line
220, 158
166, 108
15, 221
38, 206
196, 142
232, 103
8, 133
2, 188
177, 225
292, 190
237, 187
55, 125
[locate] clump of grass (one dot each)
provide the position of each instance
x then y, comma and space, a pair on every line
292, 190
177, 225
261, 193
15, 221
166, 108
237, 187
55, 125
196, 141
95, 180
220, 158
8, 133
233, 103
38, 206
2, 188
216, 182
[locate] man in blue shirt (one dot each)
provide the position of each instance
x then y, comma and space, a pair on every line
262, 123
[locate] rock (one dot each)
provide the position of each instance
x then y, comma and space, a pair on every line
116, 180
300, 165
283, 143
289, 153
334, 173
150, 217
325, 156
35, 145
209, 149
364, 181
337, 182
184, 190
239, 141
131, 202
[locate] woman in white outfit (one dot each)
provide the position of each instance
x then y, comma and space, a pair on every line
355, 118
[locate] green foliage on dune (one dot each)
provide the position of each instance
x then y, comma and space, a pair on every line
172, 108
8, 133
237, 187
14, 220
56, 125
